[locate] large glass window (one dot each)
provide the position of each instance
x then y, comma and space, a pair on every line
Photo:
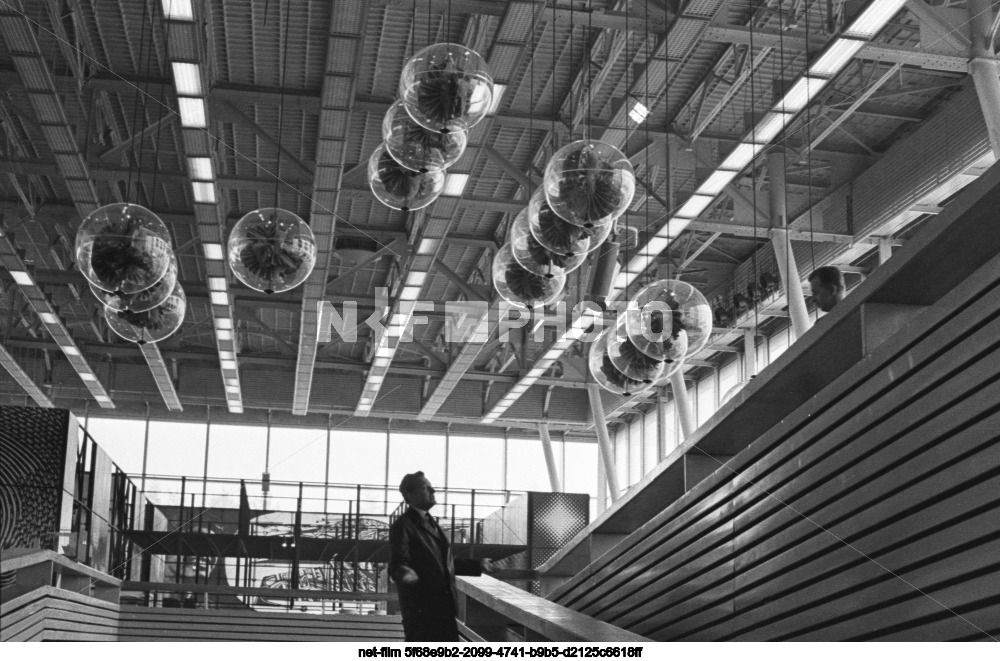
777, 344
526, 469
621, 456
476, 462
581, 468
729, 376
298, 454
237, 451
121, 439
635, 450
358, 457
706, 398
650, 439
409, 453
176, 448
670, 426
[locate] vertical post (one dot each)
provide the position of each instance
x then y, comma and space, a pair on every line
661, 424
884, 250
783, 253
326, 474
388, 448
472, 522
550, 459
985, 69
204, 476
749, 354
603, 440
145, 451
682, 404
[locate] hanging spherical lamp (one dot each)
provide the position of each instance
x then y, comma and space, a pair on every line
152, 325
668, 320
588, 182
519, 286
123, 248
143, 300
533, 256
446, 87
398, 187
559, 236
631, 362
417, 148
604, 371
271, 250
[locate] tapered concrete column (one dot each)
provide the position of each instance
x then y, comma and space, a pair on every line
783, 254
749, 354
683, 404
985, 69
604, 440
661, 424
550, 457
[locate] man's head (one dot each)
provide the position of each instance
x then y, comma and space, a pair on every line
417, 491
828, 288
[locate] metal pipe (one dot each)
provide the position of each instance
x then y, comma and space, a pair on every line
603, 440
683, 404
550, 459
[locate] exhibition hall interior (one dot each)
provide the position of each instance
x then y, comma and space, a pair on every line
689, 310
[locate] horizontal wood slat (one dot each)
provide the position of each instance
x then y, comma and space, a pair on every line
871, 512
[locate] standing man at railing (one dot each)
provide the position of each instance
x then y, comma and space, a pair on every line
423, 567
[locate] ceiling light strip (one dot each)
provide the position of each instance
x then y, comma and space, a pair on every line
161, 375
346, 32
23, 379
190, 83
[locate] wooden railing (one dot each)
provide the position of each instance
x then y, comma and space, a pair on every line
490, 610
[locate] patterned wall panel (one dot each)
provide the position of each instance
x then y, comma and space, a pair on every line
33, 445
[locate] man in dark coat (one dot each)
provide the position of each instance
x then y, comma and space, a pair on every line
423, 567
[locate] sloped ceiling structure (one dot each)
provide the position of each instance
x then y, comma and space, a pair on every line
295, 92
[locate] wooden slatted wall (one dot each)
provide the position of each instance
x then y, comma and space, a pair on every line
870, 513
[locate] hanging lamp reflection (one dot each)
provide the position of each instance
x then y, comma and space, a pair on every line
446, 87
123, 248
272, 250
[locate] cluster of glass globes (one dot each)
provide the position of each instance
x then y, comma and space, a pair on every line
124, 252
666, 321
444, 91
587, 186
271, 250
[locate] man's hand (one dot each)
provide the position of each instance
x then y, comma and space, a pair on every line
408, 577
487, 566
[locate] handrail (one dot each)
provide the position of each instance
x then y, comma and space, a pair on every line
489, 605
284, 593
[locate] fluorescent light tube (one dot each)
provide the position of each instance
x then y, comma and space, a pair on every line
716, 183
228, 364
454, 184
409, 293
381, 362
224, 323
498, 90
200, 168
192, 112
204, 192
835, 57
224, 334
740, 157
694, 206
102, 398
87, 376
213, 251
70, 350
232, 382
768, 126
22, 278
48, 318
178, 10
639, 112
428, 246
227, 355
800, 94
219, 297
873, 19
415, 278
217, 284
187, 78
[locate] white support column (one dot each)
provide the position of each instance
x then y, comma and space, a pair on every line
985, 69
683, 404
604, 440
783, 254
550, 458
661, 424
749, 354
